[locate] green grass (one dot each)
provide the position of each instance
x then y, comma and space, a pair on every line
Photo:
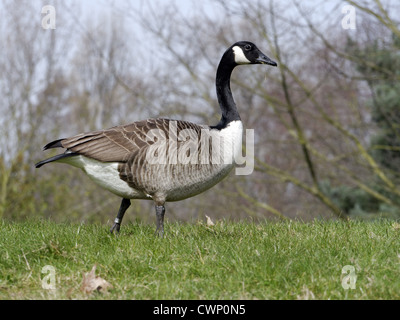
284, 260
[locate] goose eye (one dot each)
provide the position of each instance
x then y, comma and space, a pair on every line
247, 47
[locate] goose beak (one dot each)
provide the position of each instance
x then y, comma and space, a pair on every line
263, 59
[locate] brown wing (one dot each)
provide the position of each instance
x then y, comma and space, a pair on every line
119, 143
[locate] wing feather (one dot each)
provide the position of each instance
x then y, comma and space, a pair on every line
120, 143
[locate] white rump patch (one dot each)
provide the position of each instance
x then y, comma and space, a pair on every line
240, 58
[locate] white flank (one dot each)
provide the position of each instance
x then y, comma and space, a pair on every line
106, 175
240, 58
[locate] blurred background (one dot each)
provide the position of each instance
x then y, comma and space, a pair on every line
326, 120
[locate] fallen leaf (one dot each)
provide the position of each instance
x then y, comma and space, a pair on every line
92, 283
209, 221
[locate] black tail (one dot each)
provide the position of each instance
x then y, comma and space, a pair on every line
53, 144
55, 158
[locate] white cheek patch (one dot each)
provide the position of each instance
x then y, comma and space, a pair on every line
240, 58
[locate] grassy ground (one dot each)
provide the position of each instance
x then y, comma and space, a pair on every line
285, 260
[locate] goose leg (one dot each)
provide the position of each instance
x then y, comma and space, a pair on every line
125, 203
160, 211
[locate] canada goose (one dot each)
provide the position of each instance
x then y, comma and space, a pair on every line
140, 160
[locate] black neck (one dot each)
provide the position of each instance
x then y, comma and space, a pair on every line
224, 94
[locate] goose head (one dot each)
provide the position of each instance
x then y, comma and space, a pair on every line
245, 52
